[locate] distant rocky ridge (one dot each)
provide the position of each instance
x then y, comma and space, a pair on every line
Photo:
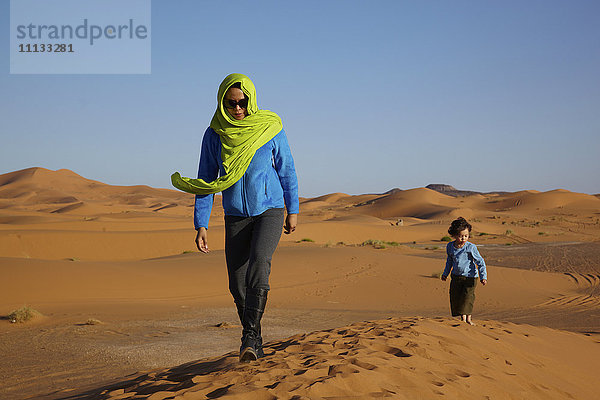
452, 191
447, 190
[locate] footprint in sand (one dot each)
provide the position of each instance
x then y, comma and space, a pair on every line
300, 372
272, 386
390, 350
462, 374
157, 334
362, 364
218, 392
113, 332
343, 369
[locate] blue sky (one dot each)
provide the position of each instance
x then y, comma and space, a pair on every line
374, 95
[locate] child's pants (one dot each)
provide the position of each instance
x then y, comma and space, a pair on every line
462, 295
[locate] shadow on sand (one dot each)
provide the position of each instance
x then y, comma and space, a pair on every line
171, 380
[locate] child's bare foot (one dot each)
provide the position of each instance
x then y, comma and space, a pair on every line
469, 320
463, 318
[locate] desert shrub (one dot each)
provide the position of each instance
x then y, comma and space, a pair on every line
23, 314
378, 244
508, 232
371, 242
305, 240
93, 321
375, 242
437, 275
446, 239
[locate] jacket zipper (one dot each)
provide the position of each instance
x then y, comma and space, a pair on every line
245, 208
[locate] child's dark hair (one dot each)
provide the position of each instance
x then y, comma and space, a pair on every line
459, 225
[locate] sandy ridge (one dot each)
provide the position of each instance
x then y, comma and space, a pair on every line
401, 358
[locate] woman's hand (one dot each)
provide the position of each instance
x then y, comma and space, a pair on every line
290, 223
202, 240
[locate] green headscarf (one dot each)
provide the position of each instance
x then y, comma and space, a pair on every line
239, 139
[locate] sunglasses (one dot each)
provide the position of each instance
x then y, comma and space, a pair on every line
243, 103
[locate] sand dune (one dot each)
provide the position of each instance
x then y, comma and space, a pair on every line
328, 198
75, 248
418, 203
528, 201
405, 358
39, 206
36, 186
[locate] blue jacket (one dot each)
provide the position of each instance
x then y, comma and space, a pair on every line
269, 182
465, 261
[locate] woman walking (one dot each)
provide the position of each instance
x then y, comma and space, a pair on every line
245, 155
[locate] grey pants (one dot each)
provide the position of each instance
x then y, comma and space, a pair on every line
249, 246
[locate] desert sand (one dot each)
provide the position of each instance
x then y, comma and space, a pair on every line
129, 308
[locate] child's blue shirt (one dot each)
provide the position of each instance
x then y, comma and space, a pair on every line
465, 261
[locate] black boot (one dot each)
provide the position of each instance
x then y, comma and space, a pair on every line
259, 348
251, 348
240, 310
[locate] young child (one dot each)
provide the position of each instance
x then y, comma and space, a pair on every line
466, 264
